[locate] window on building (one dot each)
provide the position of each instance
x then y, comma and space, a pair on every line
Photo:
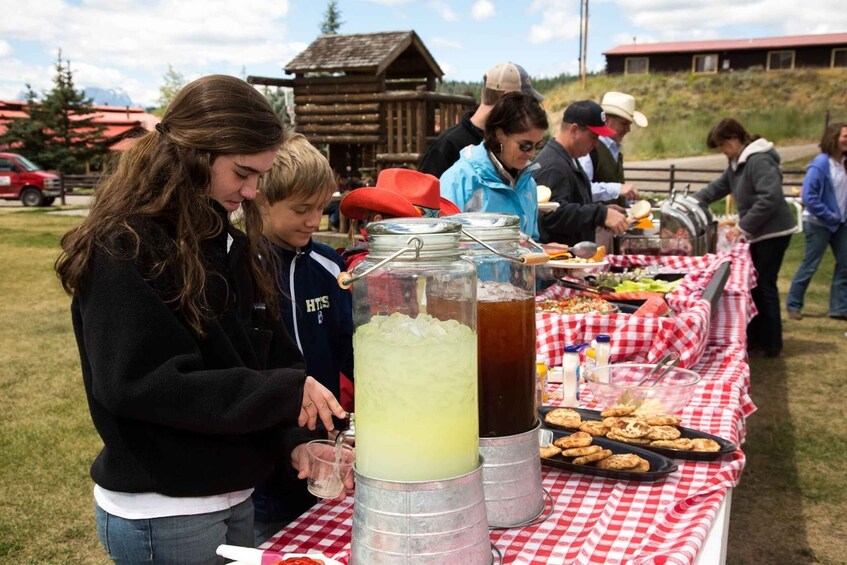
780, 60
636, 65
705, 63
839, 57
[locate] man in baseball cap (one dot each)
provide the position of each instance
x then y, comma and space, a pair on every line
497, 81
604, 164
577, 216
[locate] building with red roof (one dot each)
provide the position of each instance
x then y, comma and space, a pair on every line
121, 123
770, 53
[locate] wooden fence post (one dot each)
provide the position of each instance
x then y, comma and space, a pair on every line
672, 177
62, 187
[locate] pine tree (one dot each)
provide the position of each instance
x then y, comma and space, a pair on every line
332, 22
59, 133
174, 81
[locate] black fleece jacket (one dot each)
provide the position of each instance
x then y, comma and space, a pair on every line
577, 216
181, 414
445, 150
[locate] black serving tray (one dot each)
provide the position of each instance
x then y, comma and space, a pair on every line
586, 414
660, 466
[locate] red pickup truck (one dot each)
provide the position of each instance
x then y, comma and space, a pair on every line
22, 179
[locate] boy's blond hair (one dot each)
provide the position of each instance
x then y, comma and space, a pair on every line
299, 171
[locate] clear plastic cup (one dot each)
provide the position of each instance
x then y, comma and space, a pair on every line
328, 471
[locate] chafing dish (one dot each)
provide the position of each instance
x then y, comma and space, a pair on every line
682, 227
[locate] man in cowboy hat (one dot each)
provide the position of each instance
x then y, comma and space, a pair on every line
604, 164
577, 216
498, 80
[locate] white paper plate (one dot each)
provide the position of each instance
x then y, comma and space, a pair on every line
326, 560
568, 265
547, 206
253, 556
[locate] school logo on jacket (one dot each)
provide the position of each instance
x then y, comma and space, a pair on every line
318, 304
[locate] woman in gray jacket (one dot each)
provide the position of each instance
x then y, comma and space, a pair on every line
754, 179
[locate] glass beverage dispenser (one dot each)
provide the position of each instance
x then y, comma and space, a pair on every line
505, 323
415, 352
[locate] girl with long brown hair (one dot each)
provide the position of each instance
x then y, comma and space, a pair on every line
192, 383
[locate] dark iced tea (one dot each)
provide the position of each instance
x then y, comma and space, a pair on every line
506, 333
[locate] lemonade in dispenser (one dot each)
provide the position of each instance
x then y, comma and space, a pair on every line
415, 352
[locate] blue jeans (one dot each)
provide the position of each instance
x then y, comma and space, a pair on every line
175, 540
817, 238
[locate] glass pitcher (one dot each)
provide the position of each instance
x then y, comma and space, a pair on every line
415, 352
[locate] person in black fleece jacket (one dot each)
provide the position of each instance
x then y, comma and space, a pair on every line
192, 382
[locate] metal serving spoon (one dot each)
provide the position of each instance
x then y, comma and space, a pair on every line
584, 249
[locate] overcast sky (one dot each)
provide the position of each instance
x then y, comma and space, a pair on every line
129, 44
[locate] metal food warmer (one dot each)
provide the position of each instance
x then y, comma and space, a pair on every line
681, 227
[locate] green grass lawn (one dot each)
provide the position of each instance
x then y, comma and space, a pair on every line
786, 510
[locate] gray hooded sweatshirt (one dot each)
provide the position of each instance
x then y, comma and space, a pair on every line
755, 181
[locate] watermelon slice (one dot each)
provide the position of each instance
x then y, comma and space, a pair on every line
654, 305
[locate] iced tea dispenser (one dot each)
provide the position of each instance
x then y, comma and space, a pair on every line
508, 424
505, 322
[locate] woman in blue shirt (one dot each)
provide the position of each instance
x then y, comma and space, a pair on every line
496, 175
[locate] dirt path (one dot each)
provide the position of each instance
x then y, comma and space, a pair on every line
718, 161
658, 181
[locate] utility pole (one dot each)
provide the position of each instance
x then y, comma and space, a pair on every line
583, 40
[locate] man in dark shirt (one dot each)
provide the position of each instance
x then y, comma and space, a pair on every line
444, 151
577, 216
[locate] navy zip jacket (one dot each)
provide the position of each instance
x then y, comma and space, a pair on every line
317, 312
319, 317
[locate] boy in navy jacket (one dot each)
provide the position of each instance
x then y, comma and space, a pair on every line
317, 312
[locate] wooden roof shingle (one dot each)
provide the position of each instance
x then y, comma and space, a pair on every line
360, 53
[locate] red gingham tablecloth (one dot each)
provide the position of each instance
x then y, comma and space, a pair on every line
597, 520
646, 338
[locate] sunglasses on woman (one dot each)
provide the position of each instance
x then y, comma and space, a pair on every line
527, 146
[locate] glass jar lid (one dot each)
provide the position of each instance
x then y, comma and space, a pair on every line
489, 227
426, 237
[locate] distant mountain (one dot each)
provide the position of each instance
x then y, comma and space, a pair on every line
108, 96
99, 96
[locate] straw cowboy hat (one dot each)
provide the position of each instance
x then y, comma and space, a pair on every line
401, 193
623, 105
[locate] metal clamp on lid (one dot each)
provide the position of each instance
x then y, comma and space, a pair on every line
526, 258
346, 280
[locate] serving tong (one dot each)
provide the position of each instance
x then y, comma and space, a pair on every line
632, 395
574, 285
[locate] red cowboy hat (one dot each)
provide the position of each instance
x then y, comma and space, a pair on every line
401, 193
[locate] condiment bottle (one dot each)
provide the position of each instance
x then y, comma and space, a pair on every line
602, 353
415, 352
569, 391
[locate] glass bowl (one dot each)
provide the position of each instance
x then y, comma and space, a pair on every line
613, 385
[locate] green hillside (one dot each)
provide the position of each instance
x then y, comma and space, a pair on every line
785, 107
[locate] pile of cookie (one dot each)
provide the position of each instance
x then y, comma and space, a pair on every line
579, 446
619, 423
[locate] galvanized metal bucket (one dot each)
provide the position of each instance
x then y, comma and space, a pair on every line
430, 522
512, 478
